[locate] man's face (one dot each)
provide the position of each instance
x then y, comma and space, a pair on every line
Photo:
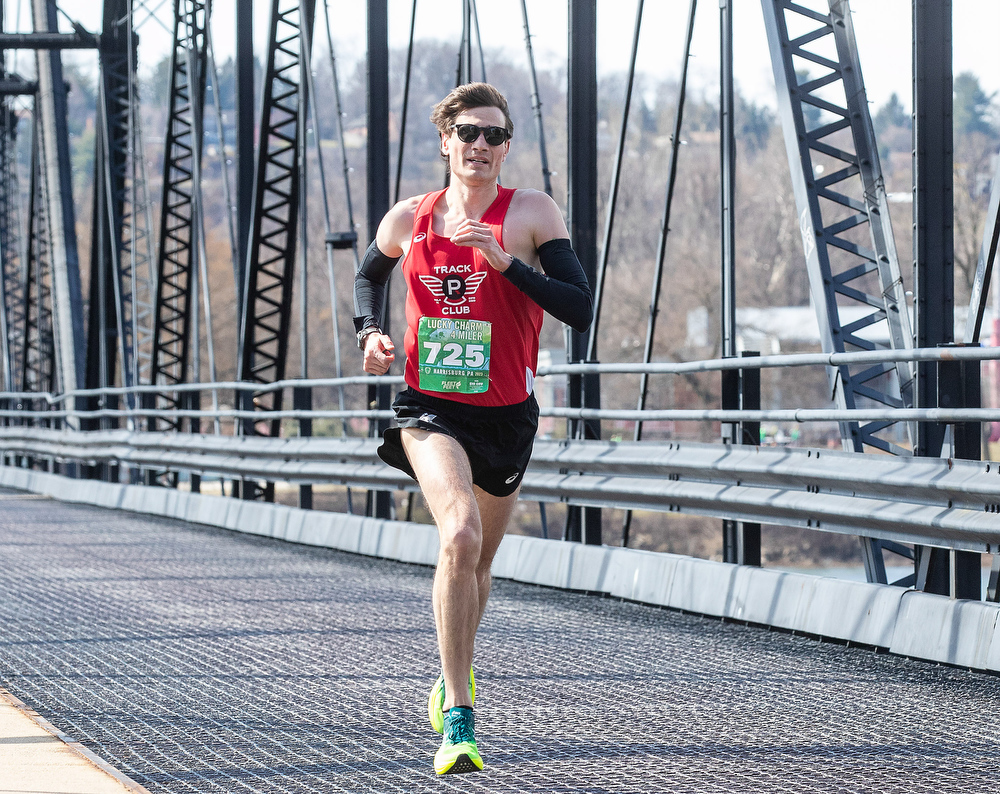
477, 162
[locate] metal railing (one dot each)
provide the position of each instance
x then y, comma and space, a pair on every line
941, 415
932, 501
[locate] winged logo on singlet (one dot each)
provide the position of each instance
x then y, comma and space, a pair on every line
454, 290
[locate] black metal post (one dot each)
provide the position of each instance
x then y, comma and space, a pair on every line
583, 523
465, 55
147, 402
302, 401
730, 393
741, 389
933, 210
730, 402
193, 400
245, 157
244, 488
379, 502
749, 548
933, 232
949, 572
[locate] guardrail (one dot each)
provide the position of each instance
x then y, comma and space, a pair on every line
931, 501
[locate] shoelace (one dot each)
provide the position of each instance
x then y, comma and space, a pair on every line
461, 726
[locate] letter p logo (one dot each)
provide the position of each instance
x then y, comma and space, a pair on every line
454, 287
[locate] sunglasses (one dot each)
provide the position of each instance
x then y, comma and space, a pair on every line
469, 133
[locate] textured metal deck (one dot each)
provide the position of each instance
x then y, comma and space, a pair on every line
198, 660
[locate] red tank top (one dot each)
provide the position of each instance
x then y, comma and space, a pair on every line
471, 335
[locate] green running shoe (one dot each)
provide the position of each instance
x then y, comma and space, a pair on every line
458, 752
435, 701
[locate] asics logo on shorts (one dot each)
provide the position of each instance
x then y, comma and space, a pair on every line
429, 418
511, 479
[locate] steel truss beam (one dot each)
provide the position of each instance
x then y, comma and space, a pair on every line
843, 217
138, 245
271, 253
38, 371
53, 146
110, 336
179, 225
843, 209
12, 309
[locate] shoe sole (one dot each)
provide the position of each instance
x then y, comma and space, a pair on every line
461, 766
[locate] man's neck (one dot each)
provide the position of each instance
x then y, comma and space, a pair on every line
471, 200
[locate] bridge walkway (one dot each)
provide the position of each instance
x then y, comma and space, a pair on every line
200, 660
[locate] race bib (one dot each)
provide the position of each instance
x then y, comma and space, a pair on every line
454, 355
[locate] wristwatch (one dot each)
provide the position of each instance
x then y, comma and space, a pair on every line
365, 332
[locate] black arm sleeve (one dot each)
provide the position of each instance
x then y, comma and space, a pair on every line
369, 287
563, 290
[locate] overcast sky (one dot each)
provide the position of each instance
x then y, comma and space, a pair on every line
882, 28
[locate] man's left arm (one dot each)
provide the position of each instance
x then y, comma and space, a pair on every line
562, 288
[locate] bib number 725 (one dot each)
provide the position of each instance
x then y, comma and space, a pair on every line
454, 354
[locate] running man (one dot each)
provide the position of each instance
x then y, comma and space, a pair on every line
467, 418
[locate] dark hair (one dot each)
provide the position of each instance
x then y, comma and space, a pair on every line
465, 97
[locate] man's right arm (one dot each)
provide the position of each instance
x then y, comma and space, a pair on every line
370, 282
369, 288
377, 264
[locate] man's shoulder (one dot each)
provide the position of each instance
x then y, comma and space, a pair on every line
529, 195
403, 212
395, 228
407, 206
532, 204
535, 212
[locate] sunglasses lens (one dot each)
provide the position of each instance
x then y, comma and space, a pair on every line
468, 133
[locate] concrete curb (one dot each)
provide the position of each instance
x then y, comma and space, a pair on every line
919, 625
76, 774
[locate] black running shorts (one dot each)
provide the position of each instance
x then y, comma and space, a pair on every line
498, 440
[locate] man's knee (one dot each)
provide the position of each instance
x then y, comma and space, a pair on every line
462, 545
